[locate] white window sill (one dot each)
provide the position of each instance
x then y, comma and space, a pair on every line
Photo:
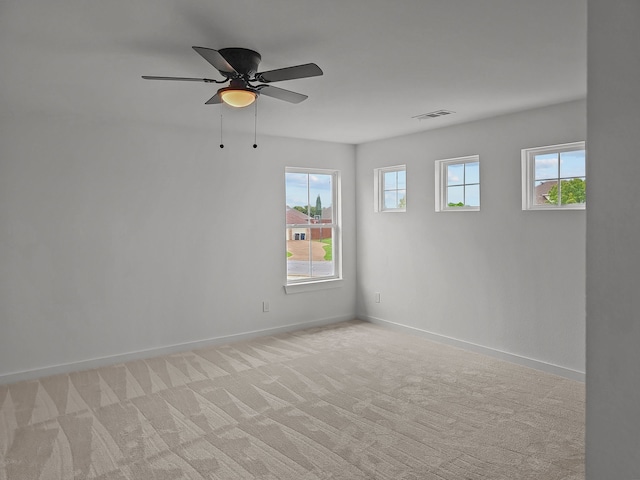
313, 285
578, 208
393, 210
459, 209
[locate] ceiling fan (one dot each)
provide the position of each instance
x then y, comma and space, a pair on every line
239, 67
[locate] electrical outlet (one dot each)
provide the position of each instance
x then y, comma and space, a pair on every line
265, 306
377, 297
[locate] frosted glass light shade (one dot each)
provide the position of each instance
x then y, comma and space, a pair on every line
238, 98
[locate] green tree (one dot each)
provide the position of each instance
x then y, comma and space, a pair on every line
572, 191
310, 210
403, 202
318, 207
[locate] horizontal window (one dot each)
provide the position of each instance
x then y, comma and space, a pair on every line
457, 184
554, 177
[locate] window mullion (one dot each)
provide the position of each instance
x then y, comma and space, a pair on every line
464, 183
309, 222
532, 185
311, 225
559, 183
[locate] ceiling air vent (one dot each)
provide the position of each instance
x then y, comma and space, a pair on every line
436, 114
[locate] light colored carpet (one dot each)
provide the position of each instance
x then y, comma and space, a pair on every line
349, 401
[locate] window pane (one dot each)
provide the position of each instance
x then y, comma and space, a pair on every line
297, 189
455, 196
546, 166
402, 199
546, 192
402, 180
472, 194
298, 254
320, 196
472, 172
572, 191
572, 164
455, 174
322, 264
310, 253
390, 181
391, 199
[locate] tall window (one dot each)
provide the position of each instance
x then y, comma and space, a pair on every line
312, 225
390, 189
554, 177
458, 184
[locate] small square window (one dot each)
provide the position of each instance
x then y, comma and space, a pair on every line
554, 177
458, 184
390, 189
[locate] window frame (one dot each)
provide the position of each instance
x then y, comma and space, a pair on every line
528, 176
379, 189
335, 280
441, 184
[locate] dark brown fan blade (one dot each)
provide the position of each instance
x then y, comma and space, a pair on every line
182, 79
290, 73
214, 100
282, 94
214, 58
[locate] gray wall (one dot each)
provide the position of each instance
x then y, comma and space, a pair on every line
123, 239
117, 238
613, 236
502, 280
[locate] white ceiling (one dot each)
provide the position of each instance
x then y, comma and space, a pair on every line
384, 61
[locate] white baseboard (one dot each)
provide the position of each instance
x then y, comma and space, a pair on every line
166, 350
182, 347
491, 352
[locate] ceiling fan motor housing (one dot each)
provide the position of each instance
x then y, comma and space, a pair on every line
244, 61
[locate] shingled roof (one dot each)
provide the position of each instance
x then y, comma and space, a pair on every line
542, 191
295, 216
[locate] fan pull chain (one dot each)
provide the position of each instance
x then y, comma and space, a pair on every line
255, 127
221, 144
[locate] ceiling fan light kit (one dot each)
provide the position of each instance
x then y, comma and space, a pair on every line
237, 98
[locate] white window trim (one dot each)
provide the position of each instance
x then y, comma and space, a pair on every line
378, 189
311, 284
441, 184
528, 175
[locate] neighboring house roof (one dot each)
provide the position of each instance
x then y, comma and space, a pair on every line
542, 191
295, 216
